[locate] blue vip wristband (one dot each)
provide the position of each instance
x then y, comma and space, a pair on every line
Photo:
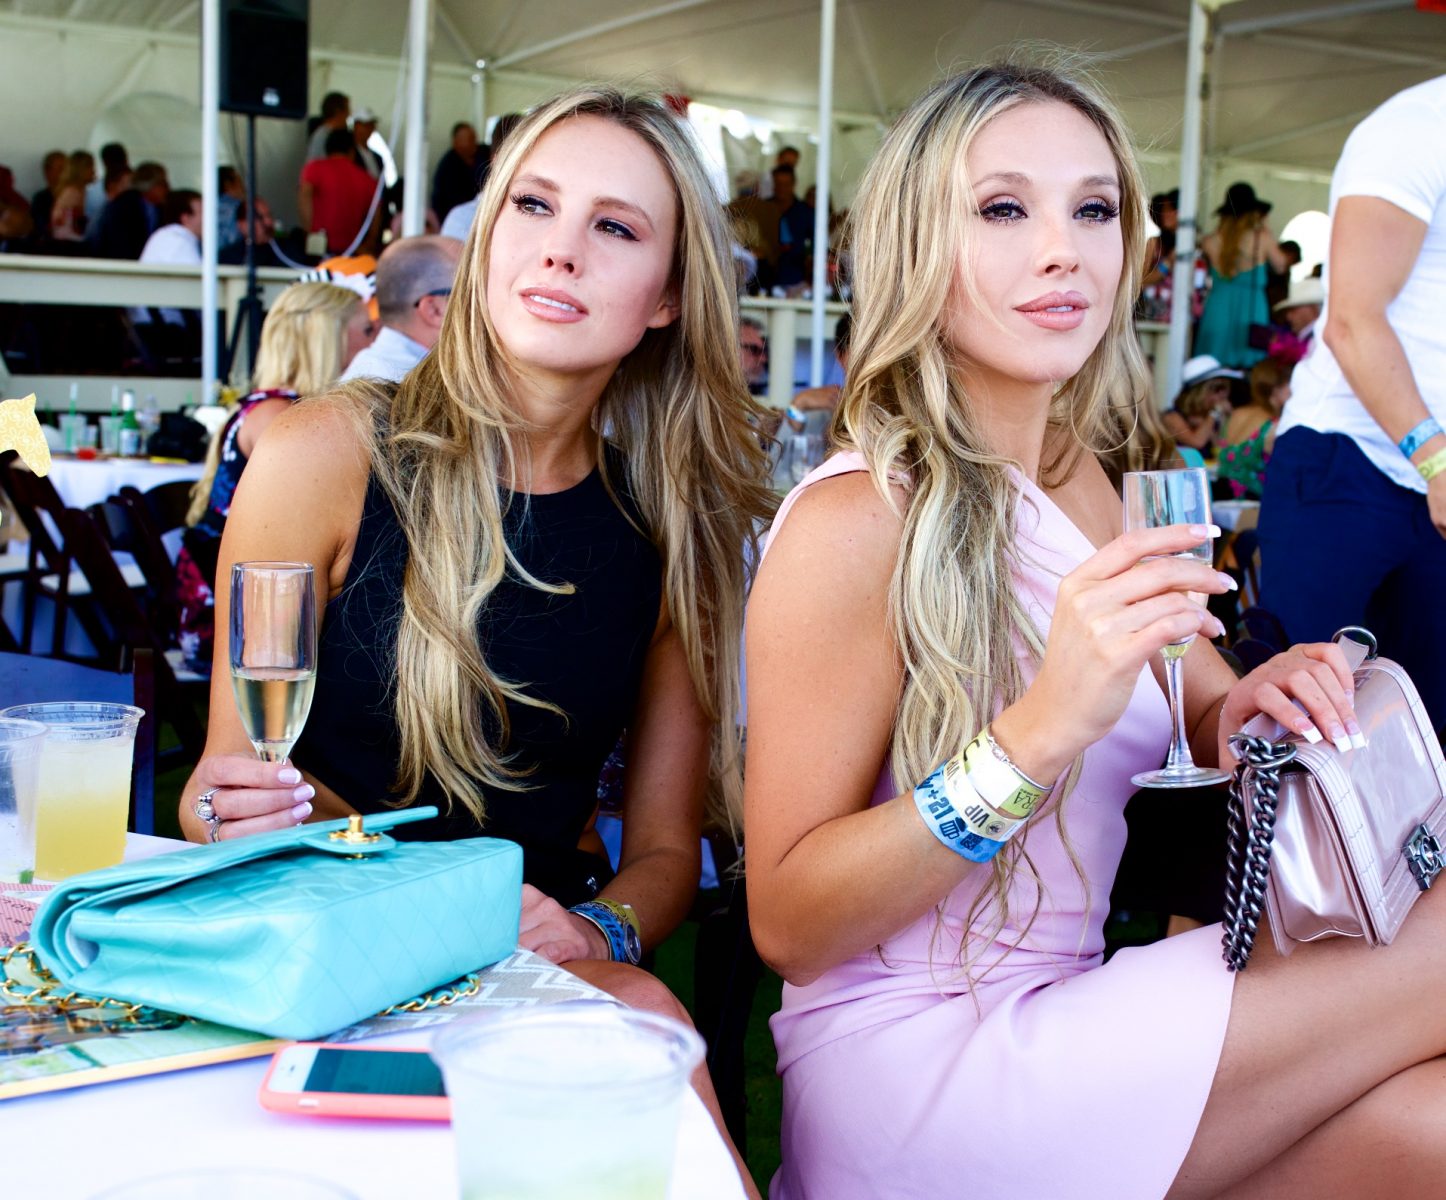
1419, 436
796, 414
950, 826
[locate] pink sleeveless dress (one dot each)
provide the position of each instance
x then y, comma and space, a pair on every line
1054, 1077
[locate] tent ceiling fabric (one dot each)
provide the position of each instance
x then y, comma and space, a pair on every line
1297, 87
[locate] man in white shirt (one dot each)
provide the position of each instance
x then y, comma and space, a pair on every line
335, 112
176, 242
1353, 519
414, 279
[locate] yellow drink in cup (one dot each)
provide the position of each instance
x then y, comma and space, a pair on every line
83, 796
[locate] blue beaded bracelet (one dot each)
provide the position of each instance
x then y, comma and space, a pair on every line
1419, 436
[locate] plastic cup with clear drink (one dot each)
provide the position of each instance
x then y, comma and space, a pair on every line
566, 1100
84, 789
110, 431
20, 746
72, 431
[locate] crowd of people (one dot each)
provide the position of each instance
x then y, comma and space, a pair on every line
535, 488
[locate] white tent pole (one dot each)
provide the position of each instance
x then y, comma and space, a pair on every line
826, 25
414, 185
1183, 285
479, 100
210, 161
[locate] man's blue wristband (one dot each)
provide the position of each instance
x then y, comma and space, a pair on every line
1419, 436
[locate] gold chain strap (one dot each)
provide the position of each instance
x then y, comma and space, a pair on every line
48, 990
468, 985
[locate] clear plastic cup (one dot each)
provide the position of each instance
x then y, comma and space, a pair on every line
72, 431
566, 1100
20, 746
85, 784
110, 428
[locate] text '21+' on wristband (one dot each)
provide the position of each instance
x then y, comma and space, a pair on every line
977, 800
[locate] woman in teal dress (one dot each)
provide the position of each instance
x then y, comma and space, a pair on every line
1238, 251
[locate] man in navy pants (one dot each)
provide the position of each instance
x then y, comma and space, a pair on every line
1353, 519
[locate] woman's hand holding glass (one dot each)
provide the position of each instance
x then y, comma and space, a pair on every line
1114, 612
247, 795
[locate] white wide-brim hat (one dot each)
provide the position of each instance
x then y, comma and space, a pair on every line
1203, 367
1309, 290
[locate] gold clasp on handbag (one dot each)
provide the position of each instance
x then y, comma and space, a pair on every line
354, 834
352, 842
1424, 856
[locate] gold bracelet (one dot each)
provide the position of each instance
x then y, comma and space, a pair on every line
1433, 466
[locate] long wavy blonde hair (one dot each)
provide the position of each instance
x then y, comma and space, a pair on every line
303, 342
955, 617
449, 446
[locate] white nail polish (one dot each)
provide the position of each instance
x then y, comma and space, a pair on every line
1214, 531
1358, 740
1312, 734
1343, 744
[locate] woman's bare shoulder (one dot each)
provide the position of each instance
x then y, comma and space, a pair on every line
841, 536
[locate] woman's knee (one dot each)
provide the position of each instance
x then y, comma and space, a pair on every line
633, 986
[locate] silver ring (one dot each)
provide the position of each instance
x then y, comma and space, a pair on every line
206, 811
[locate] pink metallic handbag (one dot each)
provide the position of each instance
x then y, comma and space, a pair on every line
1342, 843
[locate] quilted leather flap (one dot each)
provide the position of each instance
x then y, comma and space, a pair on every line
115, 886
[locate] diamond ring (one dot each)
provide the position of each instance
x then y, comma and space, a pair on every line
207, 812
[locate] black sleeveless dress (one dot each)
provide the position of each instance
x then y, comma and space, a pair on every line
583, 652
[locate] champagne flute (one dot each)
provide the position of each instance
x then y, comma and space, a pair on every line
273, 652
1154, 499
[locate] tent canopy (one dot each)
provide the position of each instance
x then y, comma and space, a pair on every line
1293, 77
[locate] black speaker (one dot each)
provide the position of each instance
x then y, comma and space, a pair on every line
263, 57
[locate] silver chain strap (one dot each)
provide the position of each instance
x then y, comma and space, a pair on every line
1247, 861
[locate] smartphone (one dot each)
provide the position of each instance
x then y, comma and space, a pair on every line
324, 1080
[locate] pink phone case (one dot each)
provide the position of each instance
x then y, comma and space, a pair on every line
352, 1104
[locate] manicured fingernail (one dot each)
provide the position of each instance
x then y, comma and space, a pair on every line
1358, 740
1228, 581
1219, 627
1309, 732
1343, 743
300, 813
303, 793
1205, 531
287, 776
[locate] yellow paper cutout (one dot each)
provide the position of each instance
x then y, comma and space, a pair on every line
19, 430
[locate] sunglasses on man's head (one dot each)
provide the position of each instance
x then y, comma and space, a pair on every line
417, 303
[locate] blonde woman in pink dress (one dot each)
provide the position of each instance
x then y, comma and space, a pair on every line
948, 611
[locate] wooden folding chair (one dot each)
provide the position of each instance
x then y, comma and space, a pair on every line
129, 528
32, 679
49, 572
126, 630
168, 503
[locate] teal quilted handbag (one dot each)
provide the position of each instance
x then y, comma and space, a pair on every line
296, 933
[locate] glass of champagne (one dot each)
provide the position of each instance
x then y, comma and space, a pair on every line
273, 651
1154, 499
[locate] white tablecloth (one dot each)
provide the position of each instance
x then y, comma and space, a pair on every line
71, 1145
82, 484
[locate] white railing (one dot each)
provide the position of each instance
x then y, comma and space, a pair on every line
36, 279
41, 279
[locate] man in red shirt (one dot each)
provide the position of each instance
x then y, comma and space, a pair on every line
336, 195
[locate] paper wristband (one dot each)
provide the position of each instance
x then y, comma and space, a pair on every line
1433, 466
1419, 436
948, 824
998, 782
